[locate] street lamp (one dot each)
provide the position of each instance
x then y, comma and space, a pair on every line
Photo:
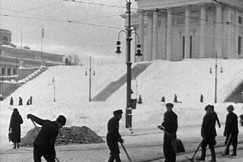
128, 33
216, 76
90, 74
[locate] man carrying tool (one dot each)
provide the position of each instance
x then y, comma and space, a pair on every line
208, 133
44, 144
231, 131
170, 126
113, 136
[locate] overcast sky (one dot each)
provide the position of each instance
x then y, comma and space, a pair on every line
83, 27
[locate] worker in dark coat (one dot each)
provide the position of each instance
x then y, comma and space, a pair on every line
208, 133
14, 127
231, 131
44, 144
113, 136
170, 126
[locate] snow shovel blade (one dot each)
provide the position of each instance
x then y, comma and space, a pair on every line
190, 159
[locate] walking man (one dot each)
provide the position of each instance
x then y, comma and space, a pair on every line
208, 133
231, 131
170, 126
44, 144
113, 136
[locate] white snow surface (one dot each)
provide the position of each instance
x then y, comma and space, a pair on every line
188, 79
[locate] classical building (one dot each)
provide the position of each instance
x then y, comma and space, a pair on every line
179, 29
12, 57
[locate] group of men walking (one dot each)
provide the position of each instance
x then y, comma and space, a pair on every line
170, 126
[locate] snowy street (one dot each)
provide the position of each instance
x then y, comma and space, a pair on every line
142, 147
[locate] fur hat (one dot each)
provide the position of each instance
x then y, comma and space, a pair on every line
230, 107
61, 119
117, 112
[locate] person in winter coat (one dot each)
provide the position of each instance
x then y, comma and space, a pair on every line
11, 101
20, 101
208, 133
14, 127
113, 136
44, 144
170, 126
231, 131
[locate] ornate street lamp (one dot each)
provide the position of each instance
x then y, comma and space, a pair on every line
216, 76
90, 74
128, 32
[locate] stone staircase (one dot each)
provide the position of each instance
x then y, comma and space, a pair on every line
236, 95
114, 86
9, 87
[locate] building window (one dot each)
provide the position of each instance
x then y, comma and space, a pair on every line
14, 72
239, 44
3, 71
240, 20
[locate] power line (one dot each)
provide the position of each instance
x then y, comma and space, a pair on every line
40, 7
67, 21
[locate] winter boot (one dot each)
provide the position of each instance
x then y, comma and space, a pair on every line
226, 152
213, 155
234, 151
202, 158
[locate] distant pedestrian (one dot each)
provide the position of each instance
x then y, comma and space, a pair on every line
30, 100
20, 101
170, 125
44, 144
11, 101
14, 127
208, 133
113, 136
231, 131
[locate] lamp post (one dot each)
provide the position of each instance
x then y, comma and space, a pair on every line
216, 76
1, 63
129, 33
90, 74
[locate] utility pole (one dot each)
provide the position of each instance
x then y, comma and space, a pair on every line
216, 78
129, 65
90, 78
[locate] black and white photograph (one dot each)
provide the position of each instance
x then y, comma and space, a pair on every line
121, 80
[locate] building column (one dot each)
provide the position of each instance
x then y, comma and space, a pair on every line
219, 30
155, 36
202, 31
6, 70
230, 33
187, 32
237, 34
169, 35
141, 33
150, 36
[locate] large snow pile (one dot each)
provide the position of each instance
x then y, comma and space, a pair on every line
67, 135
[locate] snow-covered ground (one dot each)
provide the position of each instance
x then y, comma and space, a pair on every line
188, 79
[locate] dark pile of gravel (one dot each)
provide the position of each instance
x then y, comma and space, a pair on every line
67, 135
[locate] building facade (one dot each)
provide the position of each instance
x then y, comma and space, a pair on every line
178, 29
12, 57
